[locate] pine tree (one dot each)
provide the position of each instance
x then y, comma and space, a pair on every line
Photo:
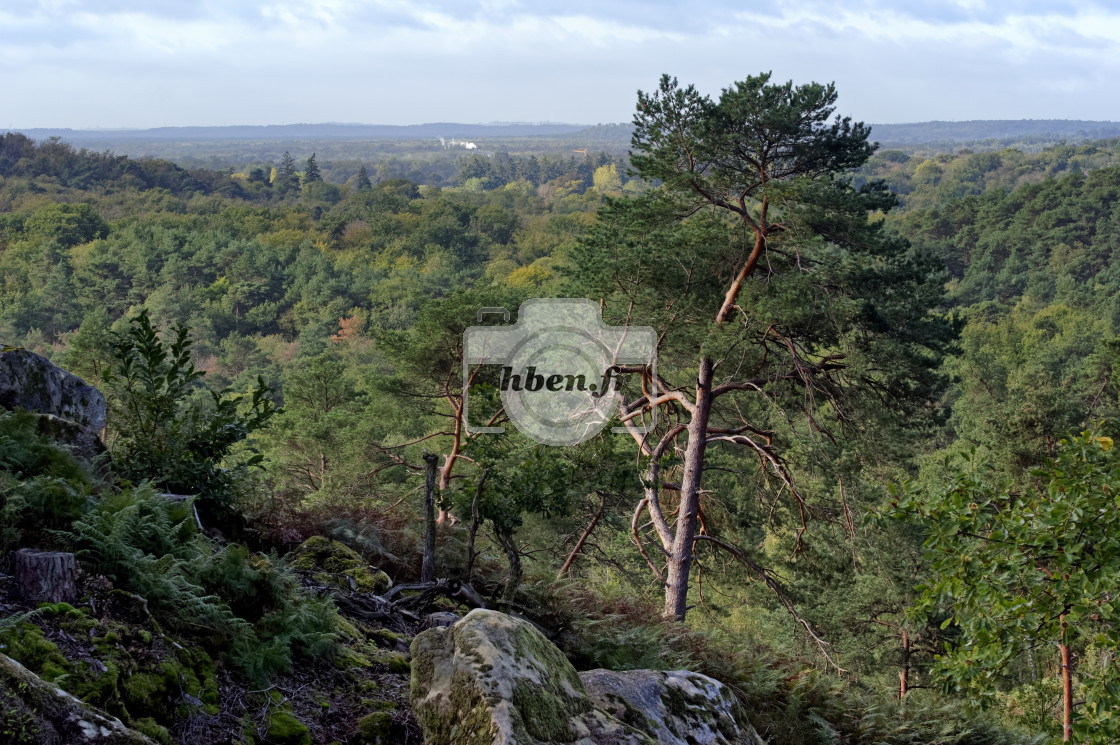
834, 324
311, 171
363, 182
286, 178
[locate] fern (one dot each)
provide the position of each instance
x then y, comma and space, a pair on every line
138, 540
150, 545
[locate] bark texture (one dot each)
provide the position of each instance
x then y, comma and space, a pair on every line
46, 576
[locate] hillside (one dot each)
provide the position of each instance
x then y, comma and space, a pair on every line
282, 341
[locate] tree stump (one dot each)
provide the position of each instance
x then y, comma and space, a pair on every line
46, 576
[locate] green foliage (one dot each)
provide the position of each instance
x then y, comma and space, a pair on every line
362, 183
322, 444
311, 172
1027, 569
795, 706
1026, 376
150, 545
163, 433
43, 488
330, 289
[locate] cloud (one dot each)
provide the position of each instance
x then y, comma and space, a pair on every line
156, 62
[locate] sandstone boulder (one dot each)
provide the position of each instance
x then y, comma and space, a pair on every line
71, 411
675, 708
492, 679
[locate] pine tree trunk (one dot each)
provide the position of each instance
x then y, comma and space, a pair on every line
904, 673
428, 568
680, 556
1067, 687
46, 576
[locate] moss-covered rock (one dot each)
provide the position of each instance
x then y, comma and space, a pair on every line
26, 645
378, 728
285, 729
492, 678
119, 673
335, 564
395, 661
675, 708
38, 712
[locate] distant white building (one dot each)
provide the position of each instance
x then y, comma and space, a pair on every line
448, 144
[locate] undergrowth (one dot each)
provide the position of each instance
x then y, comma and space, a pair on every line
789, 701
43, 487
248, 603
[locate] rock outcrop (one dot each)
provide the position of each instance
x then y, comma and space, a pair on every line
37, 711
70, 410
332, 564
676, 707
491, 679
495, 680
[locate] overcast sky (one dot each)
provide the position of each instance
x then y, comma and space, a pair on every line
149, 63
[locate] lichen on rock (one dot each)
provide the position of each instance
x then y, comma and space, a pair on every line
45, 713
492, 679
675, 707
71, 410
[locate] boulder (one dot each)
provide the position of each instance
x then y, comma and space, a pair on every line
332, 564
675, 708
492, 679
440, 618
37, 711
71, 411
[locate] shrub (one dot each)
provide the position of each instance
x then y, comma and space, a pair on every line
166, 432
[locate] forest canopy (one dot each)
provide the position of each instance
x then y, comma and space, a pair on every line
887, 395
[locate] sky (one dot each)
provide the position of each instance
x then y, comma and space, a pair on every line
152, 63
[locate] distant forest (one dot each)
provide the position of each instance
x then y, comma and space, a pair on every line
337, 275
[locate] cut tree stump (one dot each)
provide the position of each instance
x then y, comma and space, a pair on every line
46, 576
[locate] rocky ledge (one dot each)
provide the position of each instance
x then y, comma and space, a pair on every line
492, 679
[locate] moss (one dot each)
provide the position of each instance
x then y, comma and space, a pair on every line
627, 714
470, 717
26, 645
351, 659
386, 638
55, 718
546, 716
395, 661
200, 679
378, 728
335, 564
285, 729
78, 625
51, 610
100, 687
152, 729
